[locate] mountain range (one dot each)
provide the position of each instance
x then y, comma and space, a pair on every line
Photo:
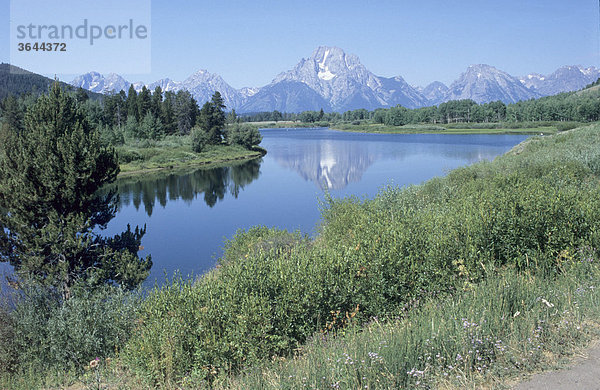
336, 81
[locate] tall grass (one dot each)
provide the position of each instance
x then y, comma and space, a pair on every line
508, 324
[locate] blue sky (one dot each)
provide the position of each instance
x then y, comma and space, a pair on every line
249, 42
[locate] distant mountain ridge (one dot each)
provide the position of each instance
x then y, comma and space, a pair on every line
564, 79
484, 83
17, 81
336, 81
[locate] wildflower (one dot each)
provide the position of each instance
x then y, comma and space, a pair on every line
516, 314
547, 303
94, 363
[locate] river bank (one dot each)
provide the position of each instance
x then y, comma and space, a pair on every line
141, 160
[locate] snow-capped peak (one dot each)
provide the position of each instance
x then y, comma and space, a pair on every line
324, 73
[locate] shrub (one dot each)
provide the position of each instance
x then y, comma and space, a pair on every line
564, 126
64, 335
244, 135
8, 355
127, 156
199, 139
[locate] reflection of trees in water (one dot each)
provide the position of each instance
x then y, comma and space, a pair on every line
213, 183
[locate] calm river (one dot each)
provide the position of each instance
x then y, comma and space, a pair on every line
188, 216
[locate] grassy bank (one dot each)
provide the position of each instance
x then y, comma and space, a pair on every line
546, 128
488, 336
533, 128
174, 153
475, 277
286, 124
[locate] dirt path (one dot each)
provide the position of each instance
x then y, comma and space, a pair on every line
583, 374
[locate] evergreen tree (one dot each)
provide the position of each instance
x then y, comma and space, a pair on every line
277, 116
212, 118
132, 105
156, 101
143, 102
149, 127
81, 95
321, 115
114, 110
184, 111
232, 117
167, 113
50, 208
12, 114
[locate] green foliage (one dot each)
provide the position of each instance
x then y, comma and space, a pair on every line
111, 136
484, 337
244, 135
49, 333
50, 174
532, 210
185, 111
150, 127
212, 119
199, 139
8, 355
12, 115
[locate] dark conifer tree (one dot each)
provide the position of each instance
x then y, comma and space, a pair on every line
50, 206
212, 118
132, 105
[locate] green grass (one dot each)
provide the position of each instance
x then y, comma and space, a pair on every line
176, 153
444, 129
533, 128
508, 325
286, 124
487, 335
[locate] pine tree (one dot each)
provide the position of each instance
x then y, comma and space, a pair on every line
167, 113
81, 95
144, 103
157, 98
185, 110
132, 105
12, 114
50, 207
212, 118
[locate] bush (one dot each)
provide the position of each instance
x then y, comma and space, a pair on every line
564, 126
8, 355
199, 139
53, 334
244, 135
126, 156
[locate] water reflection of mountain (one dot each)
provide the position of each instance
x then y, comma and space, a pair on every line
214, 183
334, 164
328, 164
